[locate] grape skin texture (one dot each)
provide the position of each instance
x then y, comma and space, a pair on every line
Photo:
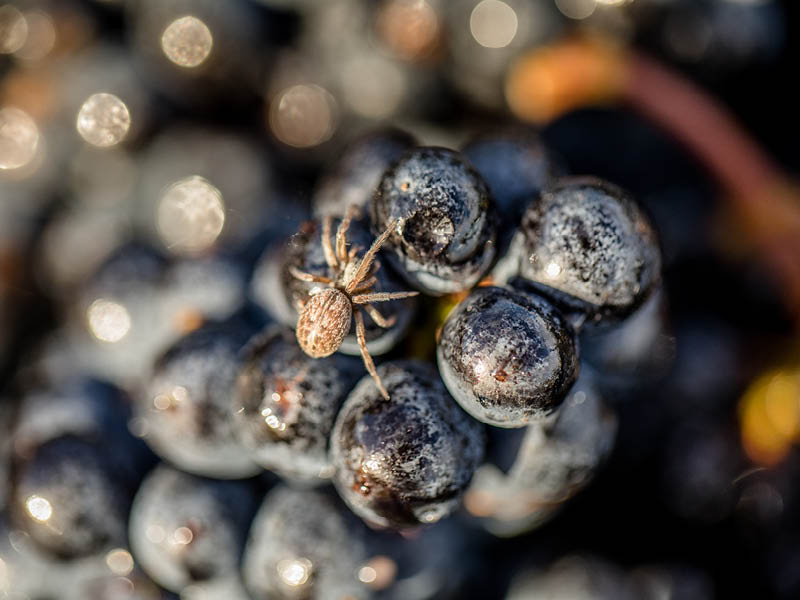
405, 461
508, 358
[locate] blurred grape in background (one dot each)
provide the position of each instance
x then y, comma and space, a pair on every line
596, 394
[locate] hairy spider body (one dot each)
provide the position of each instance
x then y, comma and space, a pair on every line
324, 322
325, 318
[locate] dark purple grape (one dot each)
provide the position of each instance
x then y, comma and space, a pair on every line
285, 403
84, 408
550, 464
405, 461
358, 171
185, 409
445, 240
266, 285
26, 572
507, 357
432, 563
71, 499
638, 349
304, 544
117, 325
588, 246
198, 289
185, 529
516, 166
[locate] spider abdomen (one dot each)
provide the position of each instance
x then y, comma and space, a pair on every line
324, 322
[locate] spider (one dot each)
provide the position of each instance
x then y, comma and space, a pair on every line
325, 317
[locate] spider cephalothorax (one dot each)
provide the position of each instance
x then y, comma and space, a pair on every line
325, 317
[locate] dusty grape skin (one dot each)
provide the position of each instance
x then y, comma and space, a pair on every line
446, 239
217, 513
559, 461
310, 392
305, 525
406, 461
305, 253
85, 408
196, 431
358, 171
586, 245
88, 498
508, 358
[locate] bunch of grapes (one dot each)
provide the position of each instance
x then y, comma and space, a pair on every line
276, 324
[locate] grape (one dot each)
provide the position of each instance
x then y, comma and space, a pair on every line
71, 499
185, 529
508, 358
304, 545
516, 165
405, 461
357, 172
445, 240
285, 403
587, 245
186, 405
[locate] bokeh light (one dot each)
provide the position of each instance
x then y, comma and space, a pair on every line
119, 561
493, 24
13, 29
103, 120
373, 86
296, 572
379, 572
108, 321
182, 536
19, 138
187, 42
303, 116
39, 508
40, 38
410, 28
190, 216
551, 80
769, 414
576, 9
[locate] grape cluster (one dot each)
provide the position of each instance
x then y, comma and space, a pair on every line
232, 397
168, 432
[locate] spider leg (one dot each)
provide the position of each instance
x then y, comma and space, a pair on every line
341, 232
379, 319
327, 245
303, 276
365, 286
362, 344
381, 297
369, 257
